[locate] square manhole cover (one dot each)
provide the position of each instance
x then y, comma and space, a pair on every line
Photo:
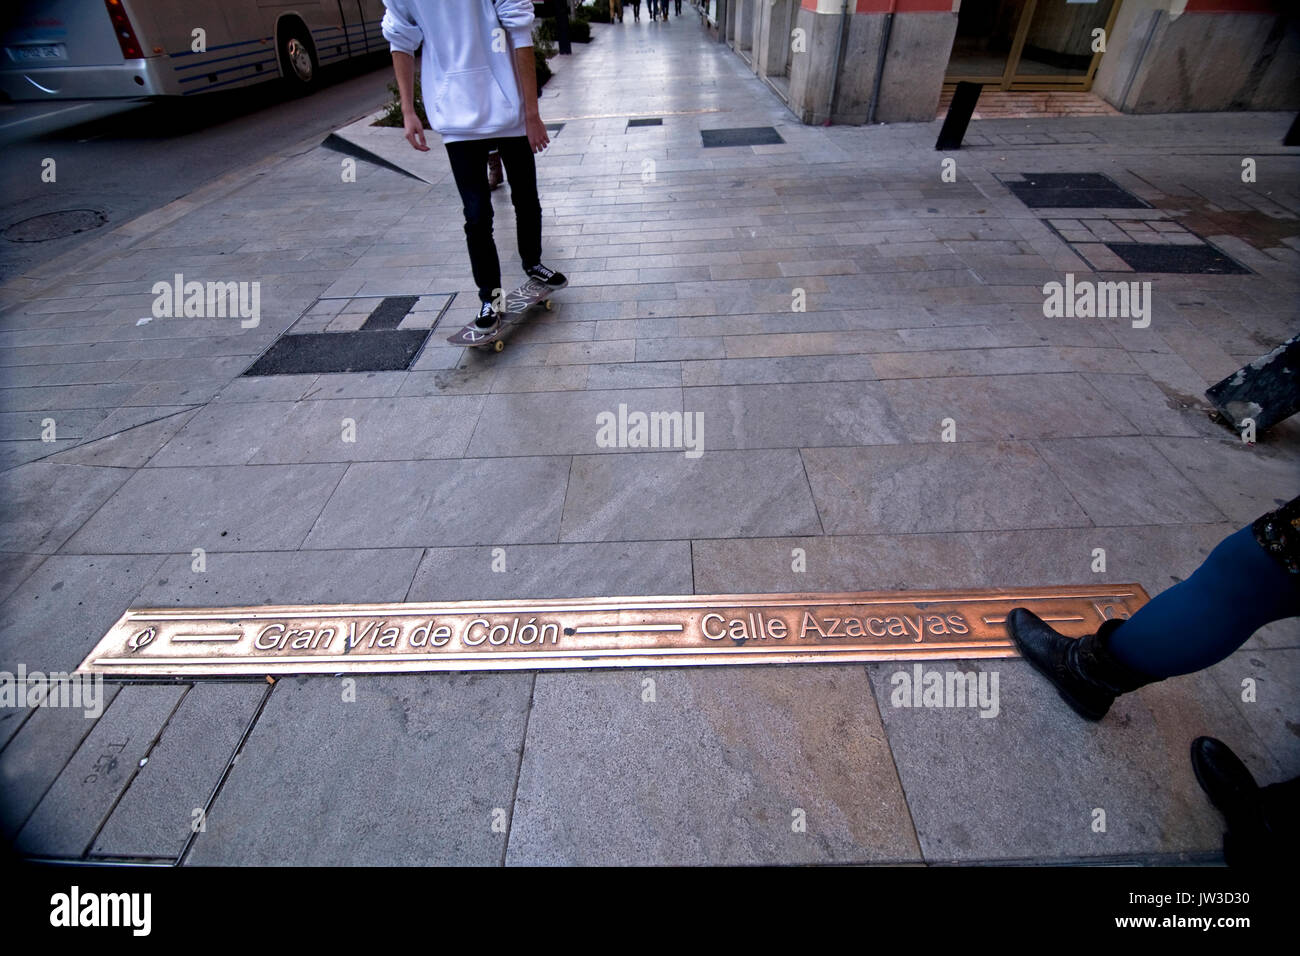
387, 350
1072, 191
741, 136
361, 334
1187, 260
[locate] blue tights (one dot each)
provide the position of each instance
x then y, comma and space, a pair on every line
1198, 622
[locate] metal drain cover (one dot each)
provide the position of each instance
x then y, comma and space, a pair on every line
54, 225
741, 136
1073, 191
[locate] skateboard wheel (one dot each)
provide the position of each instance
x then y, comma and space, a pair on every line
550, 305
498, 345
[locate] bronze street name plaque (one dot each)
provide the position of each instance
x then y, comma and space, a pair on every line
592, 632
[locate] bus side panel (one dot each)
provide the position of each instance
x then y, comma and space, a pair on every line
362, 26
233, 55
373, 13
58, 49
328, 21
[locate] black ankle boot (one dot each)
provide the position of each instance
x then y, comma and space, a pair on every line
1261, 822
1235, 794
1086, 674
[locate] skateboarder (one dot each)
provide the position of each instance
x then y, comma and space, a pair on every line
480, 92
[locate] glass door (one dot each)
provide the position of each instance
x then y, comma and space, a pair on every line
986, 32
1030, 44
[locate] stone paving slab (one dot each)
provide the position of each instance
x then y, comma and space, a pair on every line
42, 504
1154, 556
156, 815
608, 498
853, 368
221, 434
794, 414
1274, 674
55, 617
129, 417
162, 510
945, 486
559, 423
15, 568
71, 812
1144, 405
1002, 407
924, 301
73, 423
1243, 481
416, 770
130, 448
494, 501
554, 571
721, 766
281, 577
1121, 481
38, 745
371, 429
1029, 781
15, 453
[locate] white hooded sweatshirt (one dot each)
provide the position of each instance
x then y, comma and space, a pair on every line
467, 70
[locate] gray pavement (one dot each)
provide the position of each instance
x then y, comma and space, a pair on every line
108, 153
822, 432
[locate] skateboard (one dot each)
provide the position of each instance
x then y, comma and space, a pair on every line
517, 305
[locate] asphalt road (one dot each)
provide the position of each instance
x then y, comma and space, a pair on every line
144, 154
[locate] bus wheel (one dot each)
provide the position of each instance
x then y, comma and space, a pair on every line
297, 59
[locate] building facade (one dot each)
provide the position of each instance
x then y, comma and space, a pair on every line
881, 61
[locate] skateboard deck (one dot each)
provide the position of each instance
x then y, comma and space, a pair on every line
518, 304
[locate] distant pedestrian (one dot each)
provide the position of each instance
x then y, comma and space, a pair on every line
616, 10
489, 102
636, 10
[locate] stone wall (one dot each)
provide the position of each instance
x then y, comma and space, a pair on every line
1161, 56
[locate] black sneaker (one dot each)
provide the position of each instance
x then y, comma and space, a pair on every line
556, 280
488, 320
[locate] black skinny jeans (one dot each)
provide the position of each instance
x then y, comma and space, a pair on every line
469, 167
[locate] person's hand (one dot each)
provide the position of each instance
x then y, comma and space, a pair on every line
537, 136
414, 131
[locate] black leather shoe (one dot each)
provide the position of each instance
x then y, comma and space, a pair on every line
1227, 783
1259, 829
1086, 674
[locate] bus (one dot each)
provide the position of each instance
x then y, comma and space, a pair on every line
111, 49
